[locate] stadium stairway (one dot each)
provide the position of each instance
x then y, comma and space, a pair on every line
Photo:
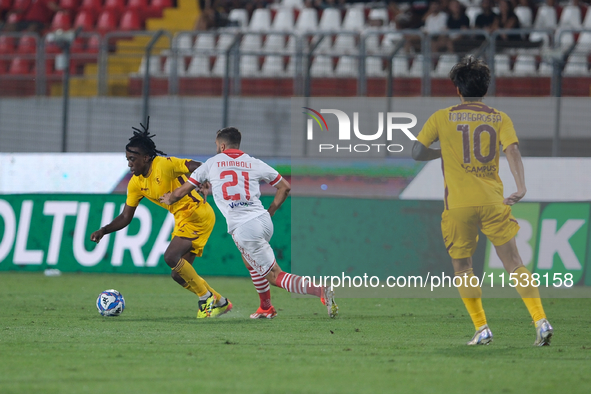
128, 54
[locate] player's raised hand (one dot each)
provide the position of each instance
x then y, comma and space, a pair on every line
97, 235
165, 199
514, 198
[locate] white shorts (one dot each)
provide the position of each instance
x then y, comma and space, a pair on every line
252, 239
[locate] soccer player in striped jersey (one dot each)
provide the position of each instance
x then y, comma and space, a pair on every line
234, 177
471, 135
154, 175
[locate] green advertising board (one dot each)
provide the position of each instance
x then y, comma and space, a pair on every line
53, 231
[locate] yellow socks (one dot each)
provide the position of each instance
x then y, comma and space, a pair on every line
472, 297
530, 294
195, 283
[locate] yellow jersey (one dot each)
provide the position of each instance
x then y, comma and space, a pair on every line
471, 135
166, 174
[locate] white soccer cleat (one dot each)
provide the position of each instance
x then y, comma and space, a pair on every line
544, 333
483, 336
328, 300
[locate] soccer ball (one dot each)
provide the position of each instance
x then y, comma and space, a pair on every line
110, 303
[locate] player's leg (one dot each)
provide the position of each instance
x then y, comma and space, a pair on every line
509, 255
460, 234
501, 228
261, 284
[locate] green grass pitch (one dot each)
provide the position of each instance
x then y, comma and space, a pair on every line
52, 340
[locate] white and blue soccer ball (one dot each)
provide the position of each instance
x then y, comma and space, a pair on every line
110, 303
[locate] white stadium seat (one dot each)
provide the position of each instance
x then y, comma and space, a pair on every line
261, 20
445, 64
400, 66
293, 3
330, 20
525, 16
525, 65
180, 69
502, 64
374, 67
545, 19
307, 21
322, 66
354, 19
154, 65
569, 19
348, 66
240, 16
416, 70
283, 20
273, 66
576, 65
472, 13
199, 66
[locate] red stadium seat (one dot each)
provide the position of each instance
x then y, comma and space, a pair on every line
92, 5
20, 66
161, 4
140, 5
93, 44
7, 44
107, 21
20, 5
85, 19
5, 5
79, 45
13, 18
69, 5
61, 20
115, 5
131, 21
27, 44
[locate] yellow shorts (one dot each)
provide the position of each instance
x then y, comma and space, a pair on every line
195, 225
459, 227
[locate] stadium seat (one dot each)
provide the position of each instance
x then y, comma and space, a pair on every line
354, 19
502, 64
239, 16
7, 45
20, 66
472, 13
207, 42
249, 66
569, 19
283, 20
180, 63
154, 65
274, 43
372, 42
545, 19
219, 66
416, 70
379, 14
69, 5
261, 20
374, 67
345, 44
347, 66
161, 4
291, 67
273, 66
139, 5
293, 3
93, 44
545, 69
321, 66
107, 21
199, 66
20, 5
525, 16
94, 6
445, 64
85, 20
131, 21
27, 45
577, 65
307, 21
330, 20
400, 66
525, 65
184, 44
115, 5
61, 20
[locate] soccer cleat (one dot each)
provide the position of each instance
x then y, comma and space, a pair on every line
264, 313
217, 311
544, 332
328, 300
482, 337
205, 307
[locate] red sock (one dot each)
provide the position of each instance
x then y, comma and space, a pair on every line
263, 288
297, 284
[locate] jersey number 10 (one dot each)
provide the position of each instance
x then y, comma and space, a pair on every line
233, 182
476, 146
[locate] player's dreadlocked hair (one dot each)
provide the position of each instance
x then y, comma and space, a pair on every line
472, 77
143, 140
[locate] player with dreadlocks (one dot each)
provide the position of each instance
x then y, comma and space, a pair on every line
153, 176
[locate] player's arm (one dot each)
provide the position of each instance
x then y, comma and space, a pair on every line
283, 188
192, 165
421, 153
516, 166
117, 224
177, 194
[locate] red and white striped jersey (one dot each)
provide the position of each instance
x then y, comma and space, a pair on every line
234, 178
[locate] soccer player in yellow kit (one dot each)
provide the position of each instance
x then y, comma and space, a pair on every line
471, 135
154, 175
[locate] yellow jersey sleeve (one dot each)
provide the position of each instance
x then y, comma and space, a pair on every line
507, 134
429, 134
178, 166
134, 194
